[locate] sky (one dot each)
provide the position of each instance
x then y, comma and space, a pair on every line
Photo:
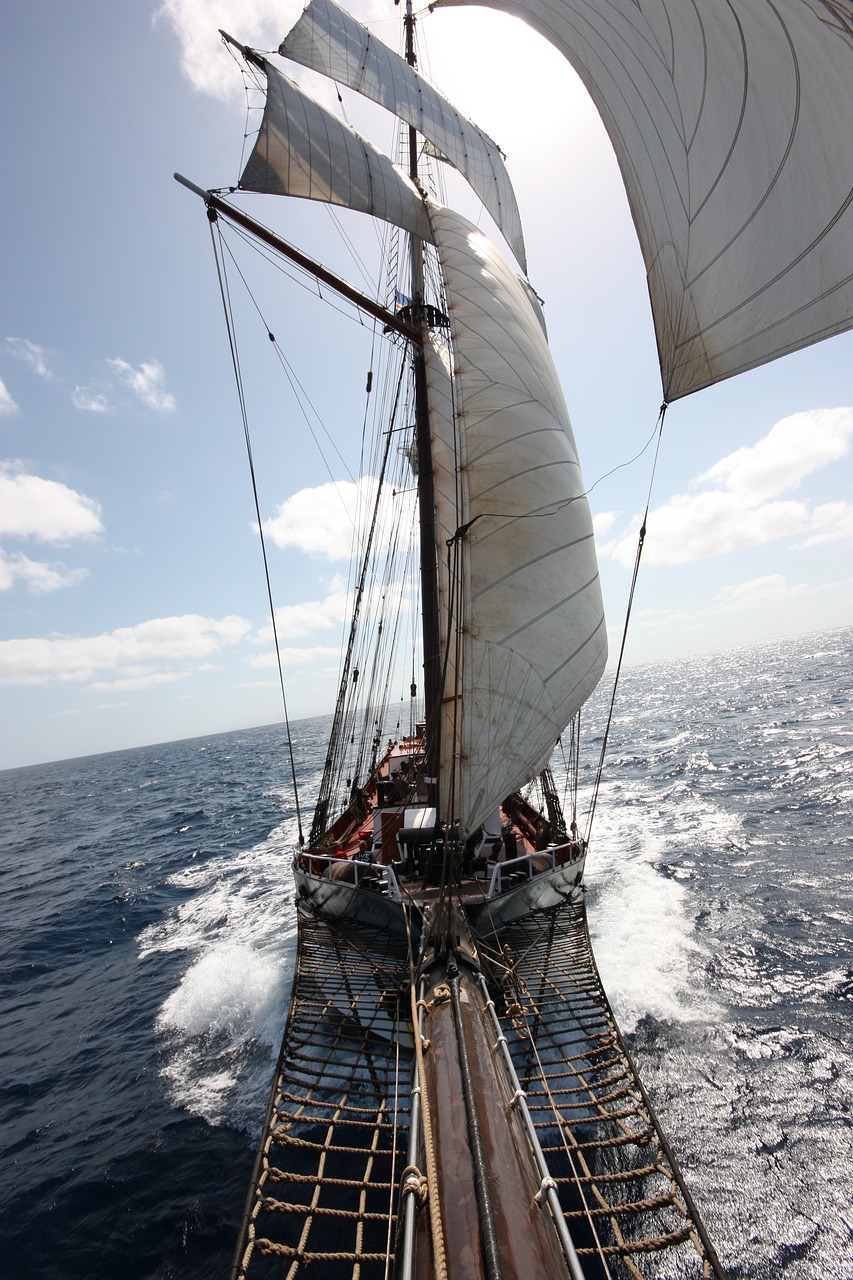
131, 585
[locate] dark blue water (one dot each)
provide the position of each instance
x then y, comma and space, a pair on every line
148, 934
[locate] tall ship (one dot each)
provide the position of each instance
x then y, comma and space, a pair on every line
453, 1096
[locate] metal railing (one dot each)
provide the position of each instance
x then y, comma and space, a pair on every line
559, 855
317, 864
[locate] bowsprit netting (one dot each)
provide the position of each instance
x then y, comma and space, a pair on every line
622, 1193
333, 1146
333, 1153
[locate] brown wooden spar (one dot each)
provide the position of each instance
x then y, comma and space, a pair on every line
495, 1223
217, 206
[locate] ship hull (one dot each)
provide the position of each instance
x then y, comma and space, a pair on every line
370, 903
345, 901
541, 892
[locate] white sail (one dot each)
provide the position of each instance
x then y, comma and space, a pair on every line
530, 623
733, 127
330, 41
304, 150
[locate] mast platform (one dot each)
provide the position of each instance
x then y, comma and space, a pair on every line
334, 1171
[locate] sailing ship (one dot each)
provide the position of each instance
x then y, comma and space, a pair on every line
453, 1095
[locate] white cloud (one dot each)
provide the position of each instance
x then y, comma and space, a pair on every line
739, 598
794, 448
31, 354
322, 520
293, 621
756, 593
603, 522
140, 680
292, 657
31, 507
7, 404
263, 24
709, 524
196, 23
831, 521
742, 509
147, 382
138, 655
35, 575
89, 401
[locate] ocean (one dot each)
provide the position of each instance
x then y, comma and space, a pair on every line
147, 937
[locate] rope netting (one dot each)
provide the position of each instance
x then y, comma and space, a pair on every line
622, 1193
333, 1157
333, 1147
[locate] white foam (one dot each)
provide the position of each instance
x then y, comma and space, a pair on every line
222, 1024
641, 918
231, 989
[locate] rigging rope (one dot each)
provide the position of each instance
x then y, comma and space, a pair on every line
299, 392
235, 360
377, 700
640, 543
553, 507
439, 1255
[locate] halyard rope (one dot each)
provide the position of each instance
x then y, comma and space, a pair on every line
439, 1255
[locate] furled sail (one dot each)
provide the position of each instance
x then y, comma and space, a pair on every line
330, 41
304, 150
526, 602
733, 127
447, 499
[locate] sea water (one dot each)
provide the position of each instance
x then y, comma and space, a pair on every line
147, 939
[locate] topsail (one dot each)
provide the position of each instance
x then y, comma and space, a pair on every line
328, 40
733, 127
304, 150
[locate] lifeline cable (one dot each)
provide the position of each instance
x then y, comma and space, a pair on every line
213, 219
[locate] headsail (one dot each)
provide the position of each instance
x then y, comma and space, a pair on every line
328, 40
304, 150
530, 622
732, 127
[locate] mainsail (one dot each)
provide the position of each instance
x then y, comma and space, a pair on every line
733, 129
328, 40
526, 634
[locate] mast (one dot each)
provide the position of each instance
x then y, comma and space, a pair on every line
426, 499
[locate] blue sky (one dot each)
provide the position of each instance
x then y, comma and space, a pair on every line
131, 587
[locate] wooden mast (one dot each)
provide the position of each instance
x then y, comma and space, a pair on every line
426, 497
